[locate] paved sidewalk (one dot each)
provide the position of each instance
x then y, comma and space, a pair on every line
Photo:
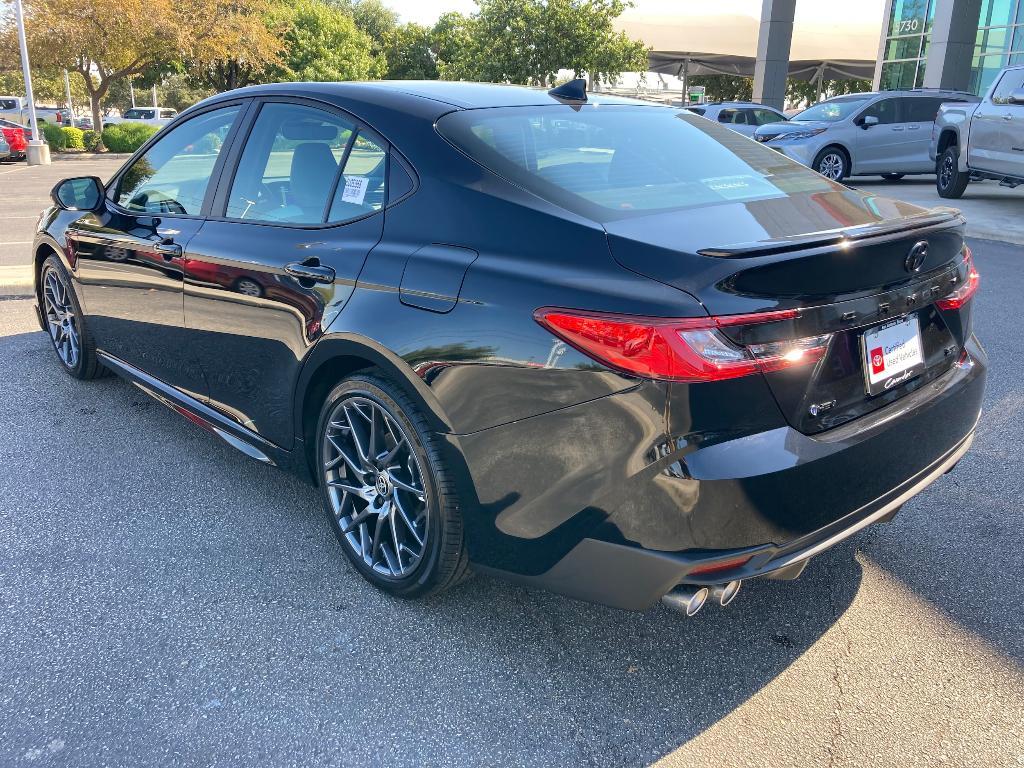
992, 212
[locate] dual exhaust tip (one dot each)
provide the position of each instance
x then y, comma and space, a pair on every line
689, 599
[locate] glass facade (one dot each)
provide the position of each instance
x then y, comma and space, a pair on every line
906, 44
1000, 42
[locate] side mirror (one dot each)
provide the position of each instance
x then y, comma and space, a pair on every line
1017, 97
83, 193
867, 121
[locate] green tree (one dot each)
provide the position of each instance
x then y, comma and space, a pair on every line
528, 41
323, 44
408, 55
724, 87
805, 92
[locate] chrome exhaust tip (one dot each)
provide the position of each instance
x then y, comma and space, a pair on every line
724, 593
686, 599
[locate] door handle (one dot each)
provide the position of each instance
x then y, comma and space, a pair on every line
897, 127
314, 273
168, 250
1007, 117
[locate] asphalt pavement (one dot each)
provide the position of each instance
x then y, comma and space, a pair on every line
166, 601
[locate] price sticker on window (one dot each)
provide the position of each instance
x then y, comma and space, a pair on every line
355, 189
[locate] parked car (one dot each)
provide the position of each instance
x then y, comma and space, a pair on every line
602, 346
741, 116
5, 148
14, 136
983, 140
11, 124
863, 134
15, 108
84, 122
148, 115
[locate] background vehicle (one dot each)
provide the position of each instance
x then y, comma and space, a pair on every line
741, 116
15, 108
16, 139
863, 134
5, 148
981, 141
12, 124
147, 115
606, 347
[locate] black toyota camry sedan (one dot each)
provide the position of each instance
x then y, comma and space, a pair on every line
606, 347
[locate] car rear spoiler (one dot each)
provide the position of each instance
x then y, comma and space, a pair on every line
941, 218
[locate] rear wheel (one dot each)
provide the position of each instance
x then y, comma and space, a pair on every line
66, 324
388, 494
832, 163
892, 176
950, 181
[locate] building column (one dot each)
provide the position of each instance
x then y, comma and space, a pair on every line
952, 44
773, 44
876, 81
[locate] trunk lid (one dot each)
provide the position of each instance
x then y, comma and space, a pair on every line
843, 258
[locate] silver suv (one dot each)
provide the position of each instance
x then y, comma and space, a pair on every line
863, 134
741, 116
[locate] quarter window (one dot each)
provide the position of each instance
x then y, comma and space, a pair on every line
174, 174
361, 188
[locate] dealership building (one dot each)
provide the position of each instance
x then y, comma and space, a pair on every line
959, 44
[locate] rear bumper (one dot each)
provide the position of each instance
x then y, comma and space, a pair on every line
779, 497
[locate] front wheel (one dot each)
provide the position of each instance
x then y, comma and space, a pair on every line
831, 163
387, 491
950, 181
65, 322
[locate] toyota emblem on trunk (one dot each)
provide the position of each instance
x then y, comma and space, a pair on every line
915, 259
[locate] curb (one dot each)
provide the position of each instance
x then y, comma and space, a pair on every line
16, 282
89, 156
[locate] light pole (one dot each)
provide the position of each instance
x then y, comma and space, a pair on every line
38, 152
67, 96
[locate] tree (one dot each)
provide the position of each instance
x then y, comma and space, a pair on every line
408, 55
107, 41
322, 43
528, 41
805, 92
724, 87
246, 44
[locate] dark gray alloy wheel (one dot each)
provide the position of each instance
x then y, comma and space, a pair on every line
65, 323
390, 501
950, 183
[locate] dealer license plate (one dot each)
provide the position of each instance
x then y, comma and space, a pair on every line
892, 354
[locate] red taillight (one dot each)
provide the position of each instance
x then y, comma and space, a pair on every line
683, 349
963, 294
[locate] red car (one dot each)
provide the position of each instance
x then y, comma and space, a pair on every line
14, 135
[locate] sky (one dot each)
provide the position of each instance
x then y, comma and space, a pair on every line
807, 11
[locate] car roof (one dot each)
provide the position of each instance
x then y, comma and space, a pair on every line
752, 104
460, 95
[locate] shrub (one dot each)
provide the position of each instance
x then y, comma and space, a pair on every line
90, 140
73, 138
54, 136
127, 137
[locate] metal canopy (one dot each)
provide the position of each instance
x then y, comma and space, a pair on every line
691, 63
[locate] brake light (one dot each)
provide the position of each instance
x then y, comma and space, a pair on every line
963, 294
682, 349
721, 565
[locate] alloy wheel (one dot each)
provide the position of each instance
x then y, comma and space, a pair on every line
60, 319
374, 482
832, 166
946, 172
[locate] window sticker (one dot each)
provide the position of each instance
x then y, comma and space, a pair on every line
355, 189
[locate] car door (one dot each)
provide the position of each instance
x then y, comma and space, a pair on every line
919, 117
129, 256
296, 219
996, 127
879, 148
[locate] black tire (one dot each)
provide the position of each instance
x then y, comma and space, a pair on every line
444, 561
86, 364
833, 163
893, 176
950, 181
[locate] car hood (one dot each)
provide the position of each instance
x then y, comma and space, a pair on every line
742, 256
777, 129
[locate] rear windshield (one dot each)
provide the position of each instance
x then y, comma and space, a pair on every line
139, 114
613, 162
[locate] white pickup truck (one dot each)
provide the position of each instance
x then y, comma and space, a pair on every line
15, 108
971, 142
158, 116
